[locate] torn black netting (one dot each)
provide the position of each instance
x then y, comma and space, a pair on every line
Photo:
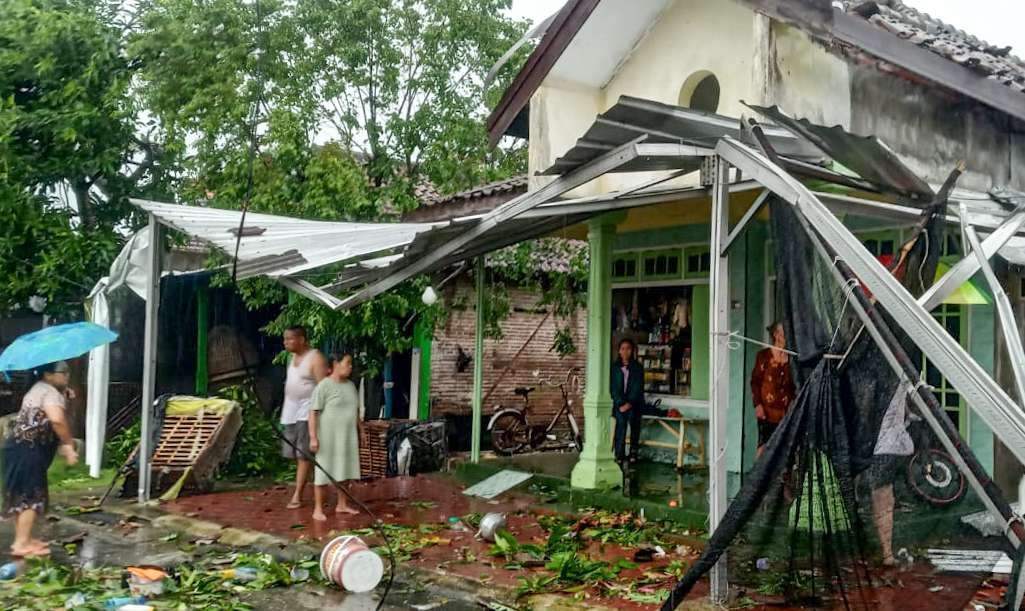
853, 466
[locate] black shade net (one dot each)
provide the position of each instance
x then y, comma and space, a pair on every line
853, 480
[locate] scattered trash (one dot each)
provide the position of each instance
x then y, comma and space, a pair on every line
120, 602
426, 606
646, 554
456, 524
489, 525
659, 552
969, 561
135, 608
75, 601
145, 581
935, 589
8, 571
299, 573
762, 564
348, 562
904, 557
497, 484
673, 503
241, 574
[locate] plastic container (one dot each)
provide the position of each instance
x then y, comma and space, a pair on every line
240, 574
348, 562
123, 601
490, 524
8, 571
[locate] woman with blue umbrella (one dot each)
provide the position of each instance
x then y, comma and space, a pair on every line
39, 431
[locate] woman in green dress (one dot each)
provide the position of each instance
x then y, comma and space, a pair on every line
334, 436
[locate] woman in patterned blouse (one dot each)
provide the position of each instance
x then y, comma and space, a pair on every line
39, 429
772, 386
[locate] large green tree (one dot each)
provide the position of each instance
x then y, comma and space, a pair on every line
332, 109
70, 150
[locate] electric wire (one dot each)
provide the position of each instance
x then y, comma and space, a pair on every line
377, 524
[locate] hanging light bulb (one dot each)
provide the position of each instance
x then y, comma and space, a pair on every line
429, 297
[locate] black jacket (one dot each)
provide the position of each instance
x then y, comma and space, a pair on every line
634, 392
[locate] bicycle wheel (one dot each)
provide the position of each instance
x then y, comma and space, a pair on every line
934, 477
509, 433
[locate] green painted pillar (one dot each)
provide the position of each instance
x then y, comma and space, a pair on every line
202, 335
981, 327
423, 336
478, 364
597, 466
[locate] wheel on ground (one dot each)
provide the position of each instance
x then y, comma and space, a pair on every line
509, 433
933, 475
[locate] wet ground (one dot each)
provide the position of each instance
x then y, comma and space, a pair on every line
454, 572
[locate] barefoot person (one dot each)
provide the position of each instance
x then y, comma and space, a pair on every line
334, 417
306, 367
39, 430
772, 387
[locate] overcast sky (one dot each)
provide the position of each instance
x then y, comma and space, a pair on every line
999, 22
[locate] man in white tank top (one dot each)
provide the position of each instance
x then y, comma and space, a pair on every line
306, 367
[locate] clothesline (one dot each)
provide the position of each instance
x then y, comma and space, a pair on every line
733, 345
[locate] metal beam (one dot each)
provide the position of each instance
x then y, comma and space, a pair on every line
306, 289
978, 388
912, 386
968, 266
1005, 314
478, 364
719, 372
750, 214
610, 161
149, 356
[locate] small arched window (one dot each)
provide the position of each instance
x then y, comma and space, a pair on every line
701, 92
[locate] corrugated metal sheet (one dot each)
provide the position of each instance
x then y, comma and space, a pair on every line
868, 157
287, 245
664, 123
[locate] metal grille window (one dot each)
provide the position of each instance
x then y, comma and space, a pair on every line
952, 317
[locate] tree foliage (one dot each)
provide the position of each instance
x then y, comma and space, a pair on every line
326, 109
68, 149
355, 104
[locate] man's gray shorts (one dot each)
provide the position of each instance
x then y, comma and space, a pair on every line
299, 434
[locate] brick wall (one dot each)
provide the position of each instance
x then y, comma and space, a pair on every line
451, 391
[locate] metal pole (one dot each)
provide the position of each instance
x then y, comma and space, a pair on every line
1005, 314
149, 356
719, 372
478, 364
202, 337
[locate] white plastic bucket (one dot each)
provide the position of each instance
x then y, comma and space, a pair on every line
348, 562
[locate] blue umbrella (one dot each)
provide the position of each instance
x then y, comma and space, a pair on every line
54, 344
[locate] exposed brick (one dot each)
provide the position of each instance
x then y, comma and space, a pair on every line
451, 391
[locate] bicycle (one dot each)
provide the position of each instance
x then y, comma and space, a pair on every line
512, 431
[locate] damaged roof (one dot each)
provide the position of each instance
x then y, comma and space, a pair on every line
885, 31
958, 46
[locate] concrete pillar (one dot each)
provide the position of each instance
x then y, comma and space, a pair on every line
597, 466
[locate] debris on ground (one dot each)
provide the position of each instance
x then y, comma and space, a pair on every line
200, 585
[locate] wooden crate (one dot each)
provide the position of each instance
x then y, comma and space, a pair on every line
373, 448
203, 442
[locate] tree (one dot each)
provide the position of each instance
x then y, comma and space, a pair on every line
69, 152
330, 109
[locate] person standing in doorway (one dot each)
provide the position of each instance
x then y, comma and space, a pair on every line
306, 367
627, 389
772, 385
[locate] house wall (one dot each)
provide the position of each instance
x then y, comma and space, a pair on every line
451, 391
559, 114
932, 130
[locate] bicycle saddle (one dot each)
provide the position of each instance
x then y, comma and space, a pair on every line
523, 391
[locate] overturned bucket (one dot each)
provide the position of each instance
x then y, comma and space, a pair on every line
348, 562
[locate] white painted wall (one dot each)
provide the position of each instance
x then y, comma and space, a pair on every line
754, 60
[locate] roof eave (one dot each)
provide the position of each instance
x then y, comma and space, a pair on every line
540, 62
